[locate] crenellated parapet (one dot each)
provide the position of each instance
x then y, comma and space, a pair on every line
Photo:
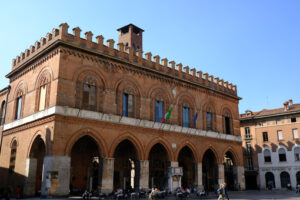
122, 52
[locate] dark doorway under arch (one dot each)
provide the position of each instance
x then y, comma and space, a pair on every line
230, 171
186, 160
209, 171
270, 181
298, 178
285, 179
126, 166
158, 167
37, 152
85, 165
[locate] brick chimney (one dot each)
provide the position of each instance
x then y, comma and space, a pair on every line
291, 102
131, 36
286, 105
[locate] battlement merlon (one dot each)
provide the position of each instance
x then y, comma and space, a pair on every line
134, 56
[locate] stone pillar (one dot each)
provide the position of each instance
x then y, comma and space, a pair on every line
241, 177
277, 179
30, 173
221, 174
175, 174
57, 168
144, 174
199, 176
108, 175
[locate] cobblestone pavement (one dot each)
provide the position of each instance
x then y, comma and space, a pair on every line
242, 195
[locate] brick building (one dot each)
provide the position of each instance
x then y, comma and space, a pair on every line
82, 114
271, 147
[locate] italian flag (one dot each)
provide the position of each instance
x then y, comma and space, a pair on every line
167, 115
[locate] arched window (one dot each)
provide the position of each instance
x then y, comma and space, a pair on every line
89, 94
186, 108
267, 155
19, 105
208, 118
159, 108
43, 91
2, 112
185, 116
42, 101
227, 123
128, 98
13, 154
282, 155
159, 105
297, 153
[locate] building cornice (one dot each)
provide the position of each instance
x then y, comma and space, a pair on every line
116, 119
286, 113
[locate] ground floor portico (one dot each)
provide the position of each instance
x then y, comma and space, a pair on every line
73, 154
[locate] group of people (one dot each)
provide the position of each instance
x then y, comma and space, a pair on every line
222, 192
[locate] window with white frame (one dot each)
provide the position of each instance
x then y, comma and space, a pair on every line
265, 137
250, 163
247, 132
282, 155
279, 135
297, 153
267, 155
295, 133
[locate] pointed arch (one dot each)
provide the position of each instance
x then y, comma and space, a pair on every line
42, 87
131, 87
44, 72
210, 147
186, 101
87, 132
230, 149
164, 143
35, 136
159, 94
227, 119
191, 146
127, 136
90, 87
19, 100
21, 88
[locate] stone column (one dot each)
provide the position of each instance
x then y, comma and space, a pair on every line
221, 174
277, 179
108, 175
175, 174
57, 168
144, 174
241, 177
199, 176
30, 173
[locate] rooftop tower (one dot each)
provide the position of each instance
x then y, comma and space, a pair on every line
131, 36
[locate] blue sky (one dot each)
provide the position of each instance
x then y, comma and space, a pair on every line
254, 44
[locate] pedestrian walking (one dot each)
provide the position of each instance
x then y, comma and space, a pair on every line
221, 192
225, 191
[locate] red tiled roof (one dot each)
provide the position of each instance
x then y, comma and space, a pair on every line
266, 112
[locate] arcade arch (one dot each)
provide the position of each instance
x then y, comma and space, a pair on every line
187, 161
209, 171
85, 165
36, 157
